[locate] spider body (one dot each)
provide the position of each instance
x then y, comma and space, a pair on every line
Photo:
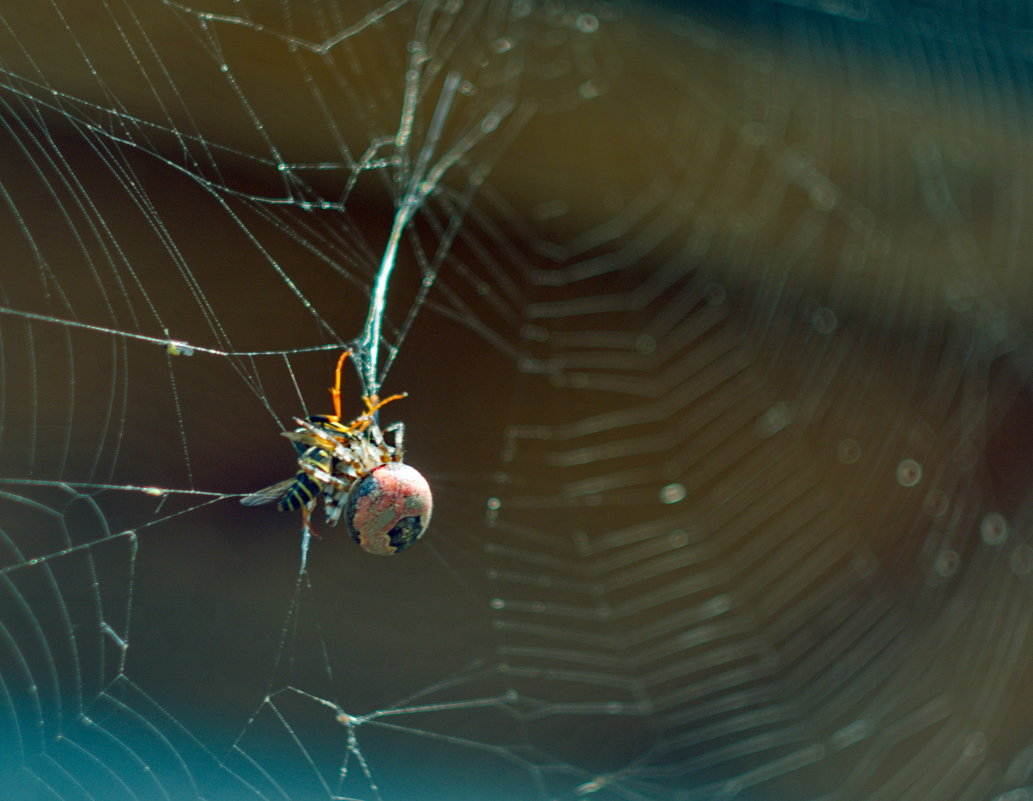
386, 503
388, 509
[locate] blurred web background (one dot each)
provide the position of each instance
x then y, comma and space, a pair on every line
714, 324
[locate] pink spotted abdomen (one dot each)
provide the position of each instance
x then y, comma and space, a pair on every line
389, 509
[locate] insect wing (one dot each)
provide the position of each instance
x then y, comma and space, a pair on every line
268, 494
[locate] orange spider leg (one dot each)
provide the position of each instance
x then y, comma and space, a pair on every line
373, 403
335, 390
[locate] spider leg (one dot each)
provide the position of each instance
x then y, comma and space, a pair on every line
335, 390
373, 404
335, 506
397, 450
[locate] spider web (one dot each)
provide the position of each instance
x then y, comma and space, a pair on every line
716, 347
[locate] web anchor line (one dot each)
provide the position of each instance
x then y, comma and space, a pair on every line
424, 179
367, 346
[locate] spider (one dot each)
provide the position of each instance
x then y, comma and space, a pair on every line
386, 504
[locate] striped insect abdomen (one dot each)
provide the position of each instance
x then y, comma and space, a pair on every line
305, 489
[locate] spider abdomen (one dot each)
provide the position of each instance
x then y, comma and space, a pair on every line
389, 509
